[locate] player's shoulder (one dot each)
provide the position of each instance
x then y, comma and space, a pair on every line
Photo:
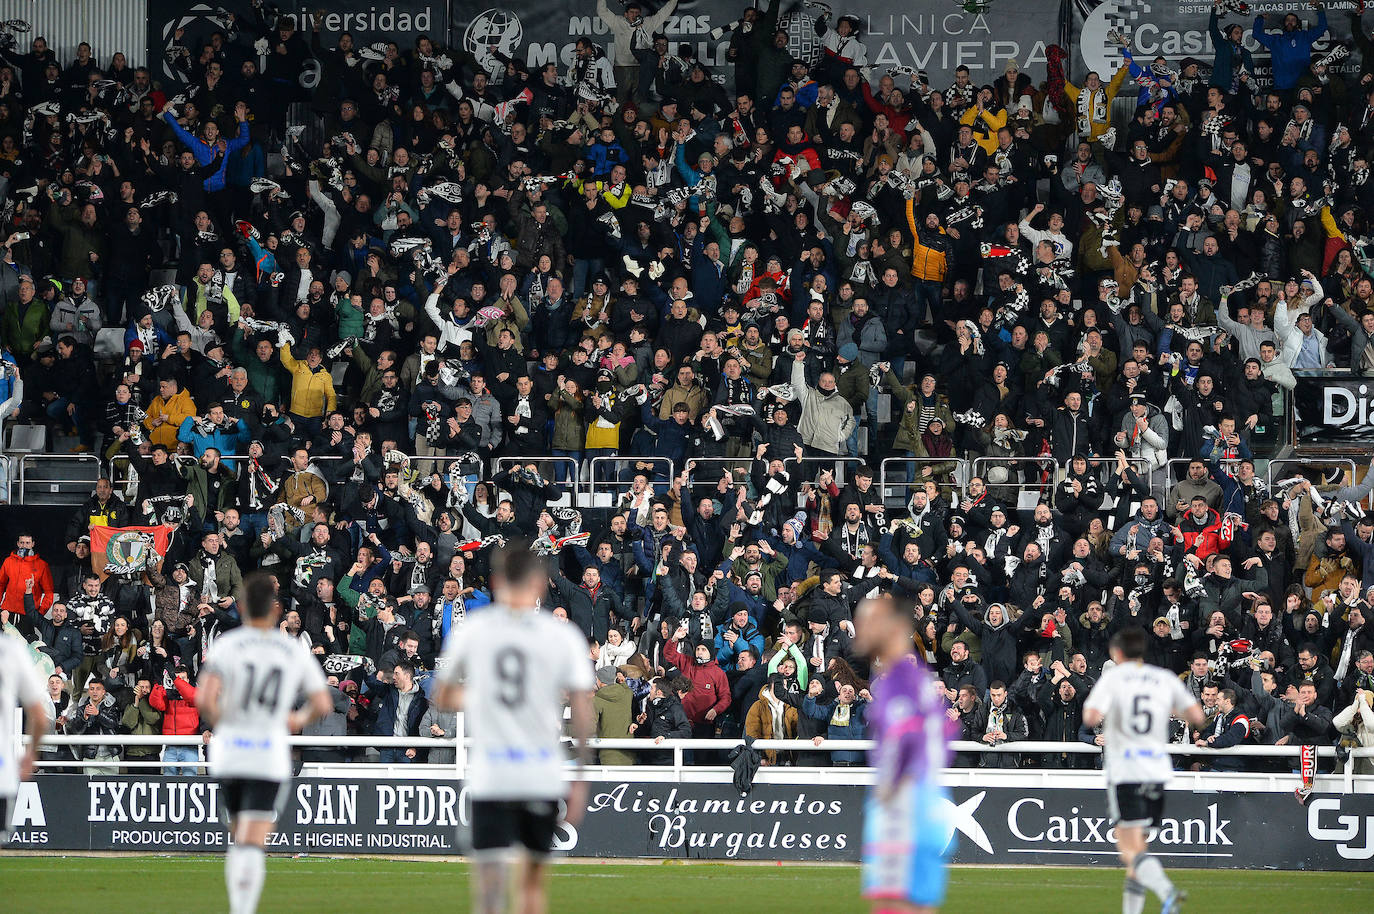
250, 640
11, 642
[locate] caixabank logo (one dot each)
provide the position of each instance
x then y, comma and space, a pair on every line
1150, 27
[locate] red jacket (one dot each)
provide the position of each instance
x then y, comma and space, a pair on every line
710, 687
14, 575
179, 715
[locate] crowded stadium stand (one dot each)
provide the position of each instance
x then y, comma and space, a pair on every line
1044, 353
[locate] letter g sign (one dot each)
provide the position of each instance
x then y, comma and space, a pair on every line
1344, 830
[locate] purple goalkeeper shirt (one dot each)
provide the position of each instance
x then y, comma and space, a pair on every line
908, 724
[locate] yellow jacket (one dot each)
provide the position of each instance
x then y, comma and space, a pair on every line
312, 392
992, 121
1100, 117
927, 263
178, 408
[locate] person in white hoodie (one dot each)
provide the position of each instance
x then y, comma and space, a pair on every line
826, 417
1358, 719
1304, 346
634, 59
1053, 232
616, 651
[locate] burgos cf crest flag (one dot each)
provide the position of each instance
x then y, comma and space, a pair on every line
128, 550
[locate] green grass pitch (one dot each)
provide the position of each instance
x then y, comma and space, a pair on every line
112, 885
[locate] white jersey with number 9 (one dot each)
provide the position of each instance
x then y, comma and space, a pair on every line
514, 668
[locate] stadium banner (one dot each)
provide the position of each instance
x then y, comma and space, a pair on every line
1177, 29
1333, 412
369, 20
979, 34
628, 819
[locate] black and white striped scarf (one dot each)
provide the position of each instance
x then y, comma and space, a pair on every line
854, 541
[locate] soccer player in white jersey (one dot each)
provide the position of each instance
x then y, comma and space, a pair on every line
248, 690
1134, 701
20, 686
507, 668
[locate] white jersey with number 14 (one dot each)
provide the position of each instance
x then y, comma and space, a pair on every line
262, 674
1137, 700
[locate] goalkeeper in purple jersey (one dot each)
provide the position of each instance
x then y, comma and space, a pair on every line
906, 837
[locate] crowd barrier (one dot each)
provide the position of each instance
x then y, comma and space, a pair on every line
992, 816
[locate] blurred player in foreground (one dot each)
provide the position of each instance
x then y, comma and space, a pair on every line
906, 840
249, 686
507, 668
1136, 701
20, 686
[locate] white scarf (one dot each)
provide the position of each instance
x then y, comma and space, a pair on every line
776, 710
1092, 109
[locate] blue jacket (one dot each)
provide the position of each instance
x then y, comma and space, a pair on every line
689, 174
6, 380
605, 155
612, 575
799, 555
727, 655
806, 94
205, 153
240, 170
1146, 79
475, 600
710, 284
1224, 63
757, 605
673, 439
160, 337
857, 728
1290, 52
226, 442
921, 573
387, 700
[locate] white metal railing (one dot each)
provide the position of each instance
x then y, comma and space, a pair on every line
1290, 465
680, 772
916, 480
1022, 747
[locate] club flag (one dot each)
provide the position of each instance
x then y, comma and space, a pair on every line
128, 550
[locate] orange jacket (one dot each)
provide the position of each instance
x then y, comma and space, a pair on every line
14, 576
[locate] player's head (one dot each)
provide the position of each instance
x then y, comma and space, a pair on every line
1128, 644
260, 600
518, 576
881, 625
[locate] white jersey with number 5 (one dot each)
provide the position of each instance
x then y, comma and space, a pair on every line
1137, 700
20, 686
514, 668
262, 673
